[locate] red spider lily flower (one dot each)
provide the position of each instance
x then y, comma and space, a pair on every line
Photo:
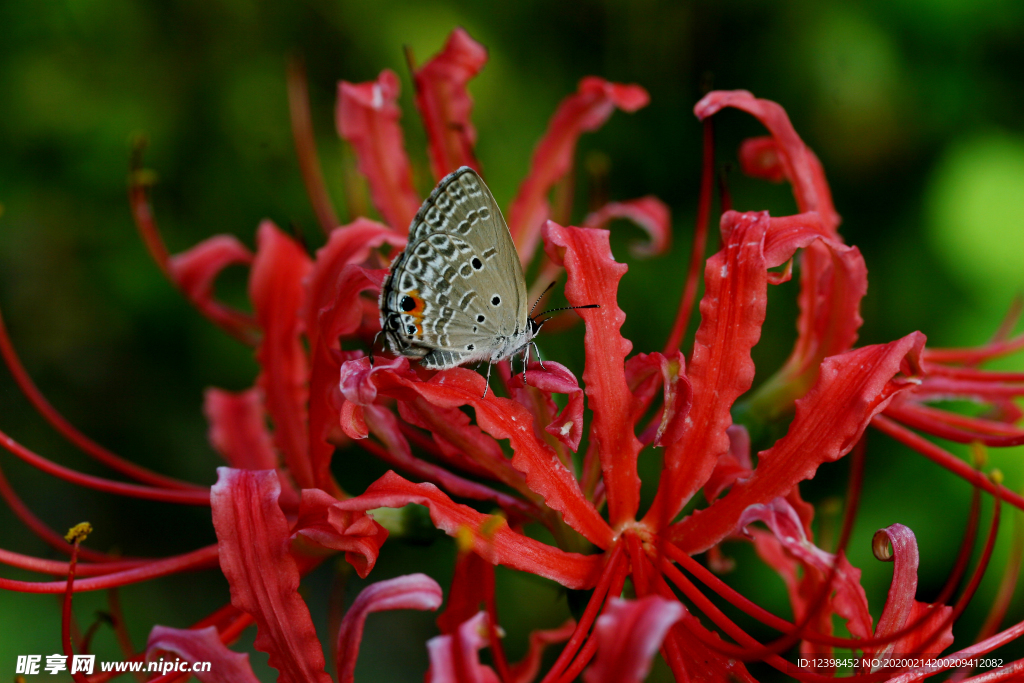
254, 538
853, 388
278, 512
831, 289
833, 277
302, 307
837, 391
262, 556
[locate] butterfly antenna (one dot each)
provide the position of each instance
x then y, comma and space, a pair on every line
374, 345
565, 308
535, 303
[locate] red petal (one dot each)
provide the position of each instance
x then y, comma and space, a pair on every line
900, 600
851, 389
699, 662
413, 591
761, 158
445, 104
650, 213
732, 466
931, 618
901, 609
678, 399
339, 318
732, 311
358, 381
502, 418
238, 429
849, 601
833, 282
525, 670
276, 287
798, 163
472, 581
544, 409
462, 444
629, 633
829, 305
805, 586
644, 376
353, 421
456, 659
253, 538
353, 533
202, 645
367, 117
550, 378
593, 278
832, 285
491, 536
194, 272
584, 111
385, 426
353, 244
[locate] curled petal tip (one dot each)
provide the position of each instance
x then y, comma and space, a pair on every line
715, 100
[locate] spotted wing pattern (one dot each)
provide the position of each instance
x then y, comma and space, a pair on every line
457, 293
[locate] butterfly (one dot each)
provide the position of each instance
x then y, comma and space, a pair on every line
457, 294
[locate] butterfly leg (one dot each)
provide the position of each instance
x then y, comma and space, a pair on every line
487, 382
539, 359
526, 361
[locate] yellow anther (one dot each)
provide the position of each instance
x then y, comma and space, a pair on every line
493, 523
464, 539
996, 476
979, 454
78, 532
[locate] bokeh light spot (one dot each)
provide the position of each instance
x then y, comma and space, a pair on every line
975, 207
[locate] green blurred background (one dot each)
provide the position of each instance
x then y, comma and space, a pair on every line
916, 108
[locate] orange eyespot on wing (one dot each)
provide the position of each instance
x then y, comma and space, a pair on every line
412, 304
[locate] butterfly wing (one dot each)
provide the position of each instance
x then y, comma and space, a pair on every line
457, 293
